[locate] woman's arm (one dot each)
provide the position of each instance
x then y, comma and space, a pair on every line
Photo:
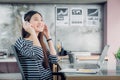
25, 47
35, 40
33, 36
51, 46
49, 41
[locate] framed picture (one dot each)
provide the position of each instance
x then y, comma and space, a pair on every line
62, 16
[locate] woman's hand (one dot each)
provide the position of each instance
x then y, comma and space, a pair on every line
28, 27
46, 32
48, 37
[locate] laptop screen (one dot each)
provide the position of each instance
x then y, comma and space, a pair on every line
103, 54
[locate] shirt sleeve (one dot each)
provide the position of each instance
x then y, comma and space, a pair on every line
52, 58
26, 49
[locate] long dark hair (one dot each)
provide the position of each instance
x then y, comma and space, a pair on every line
25, 34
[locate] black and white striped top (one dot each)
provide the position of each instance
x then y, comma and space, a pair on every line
31, 59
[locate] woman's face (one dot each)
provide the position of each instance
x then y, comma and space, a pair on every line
37, 22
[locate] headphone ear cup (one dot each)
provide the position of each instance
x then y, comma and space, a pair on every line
23, 19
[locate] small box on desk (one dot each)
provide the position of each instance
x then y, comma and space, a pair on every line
3, 53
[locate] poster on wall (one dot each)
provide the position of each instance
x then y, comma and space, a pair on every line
92, 17
76, 17
62, 16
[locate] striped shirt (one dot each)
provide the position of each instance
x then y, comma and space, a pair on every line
31, 59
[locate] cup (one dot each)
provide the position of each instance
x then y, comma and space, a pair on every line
73, 60
71, 57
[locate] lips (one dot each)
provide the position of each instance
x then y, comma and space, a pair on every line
39, 28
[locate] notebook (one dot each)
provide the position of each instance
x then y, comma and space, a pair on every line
89, 66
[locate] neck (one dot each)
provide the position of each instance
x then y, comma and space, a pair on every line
31, 36
37, 33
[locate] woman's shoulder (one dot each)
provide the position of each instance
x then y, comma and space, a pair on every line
21, 40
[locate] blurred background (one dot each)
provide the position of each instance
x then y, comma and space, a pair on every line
76, 32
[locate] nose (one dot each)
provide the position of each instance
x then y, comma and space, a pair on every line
40, 23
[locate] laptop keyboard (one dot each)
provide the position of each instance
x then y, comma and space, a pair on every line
87, 66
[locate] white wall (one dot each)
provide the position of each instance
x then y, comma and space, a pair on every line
113, 28
113, 25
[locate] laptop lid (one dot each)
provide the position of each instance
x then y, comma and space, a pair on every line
103, 54
100, 60
89, 64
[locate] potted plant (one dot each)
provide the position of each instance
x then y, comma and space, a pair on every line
117, 56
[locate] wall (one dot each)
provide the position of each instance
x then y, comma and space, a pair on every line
113, 28
84, 37
73, 37
52, 1
10, 23
113, 25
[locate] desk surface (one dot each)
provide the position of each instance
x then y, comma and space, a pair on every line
9, 59
107, 72
93, 57
10, 76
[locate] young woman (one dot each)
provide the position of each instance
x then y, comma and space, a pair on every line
34, 56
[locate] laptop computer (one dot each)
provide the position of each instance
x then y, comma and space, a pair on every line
88, 66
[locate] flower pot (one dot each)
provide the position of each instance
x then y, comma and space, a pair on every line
118, 64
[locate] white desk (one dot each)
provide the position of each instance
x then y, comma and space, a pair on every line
9, 59
8, 65
10, 76
108, 72
9, 69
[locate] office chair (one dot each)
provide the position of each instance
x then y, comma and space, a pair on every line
22, 71
18, 62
